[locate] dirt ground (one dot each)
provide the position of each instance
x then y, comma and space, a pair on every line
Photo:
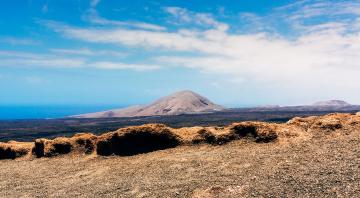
324, 166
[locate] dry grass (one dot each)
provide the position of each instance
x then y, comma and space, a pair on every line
306, 157
317, 167
259, 131
82, 143
136, 140
187, 134
151, 137
12, 149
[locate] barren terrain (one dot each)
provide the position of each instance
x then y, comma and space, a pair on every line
306, 157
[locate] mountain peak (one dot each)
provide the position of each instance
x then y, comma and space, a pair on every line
185, 93
182, 102
337, 103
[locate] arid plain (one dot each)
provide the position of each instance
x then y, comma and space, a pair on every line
310, 157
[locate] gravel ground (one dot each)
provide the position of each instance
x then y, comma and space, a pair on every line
324, 166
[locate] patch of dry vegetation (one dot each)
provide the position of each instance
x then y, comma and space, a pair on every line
151, 137
259, 131
136, 140
81, 143
308, 157
12, 149
328, 123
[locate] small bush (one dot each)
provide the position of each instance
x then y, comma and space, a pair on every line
136, 140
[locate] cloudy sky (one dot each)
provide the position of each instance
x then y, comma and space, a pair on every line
237, 53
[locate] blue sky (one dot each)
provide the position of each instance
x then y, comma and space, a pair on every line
237, 53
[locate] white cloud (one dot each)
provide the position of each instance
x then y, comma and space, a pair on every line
42, 62
18, 41
23, 59
93, 17
321, 60
88, 52
325, 9
94, 3
16, 58
304, 14
182, 15
124, 66
178, 41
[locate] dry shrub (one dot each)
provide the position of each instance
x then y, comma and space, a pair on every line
84, 143
223, 135
354, 121
288, 133
226, 137
330, 122
204, 136
304, 123
152, 137
138, 139
334, 124
79, 143
327, 124
261, 132
187, 135
213, 135
12, 149
50, 148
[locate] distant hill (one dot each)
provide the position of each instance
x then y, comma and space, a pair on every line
183, 102
332, 103
328, 105
189, 102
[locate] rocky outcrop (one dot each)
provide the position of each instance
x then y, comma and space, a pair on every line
151, 137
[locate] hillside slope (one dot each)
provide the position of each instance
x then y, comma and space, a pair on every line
332, 103
183, 102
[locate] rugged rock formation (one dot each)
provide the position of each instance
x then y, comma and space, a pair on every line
183, 102
152, 137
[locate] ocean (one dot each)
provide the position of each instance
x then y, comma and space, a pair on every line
10, 112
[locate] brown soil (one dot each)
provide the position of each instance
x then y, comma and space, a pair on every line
306, 157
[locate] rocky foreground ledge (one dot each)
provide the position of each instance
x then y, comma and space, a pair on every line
151, 137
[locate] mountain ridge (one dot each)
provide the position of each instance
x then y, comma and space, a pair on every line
339, 103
